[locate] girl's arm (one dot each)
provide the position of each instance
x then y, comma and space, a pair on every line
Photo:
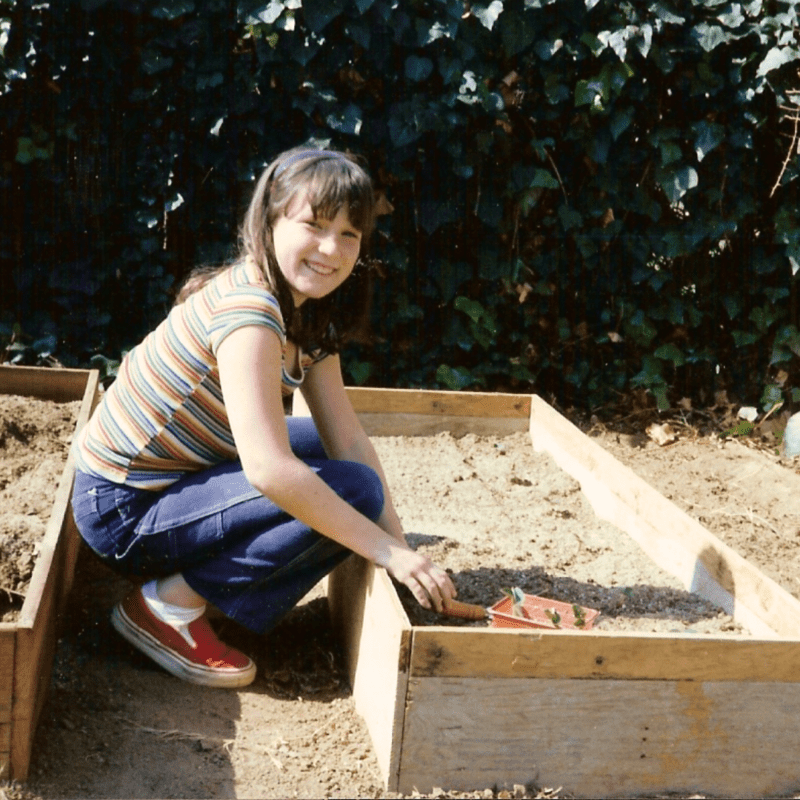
250, 369
341, 432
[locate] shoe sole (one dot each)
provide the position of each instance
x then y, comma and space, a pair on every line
173, 662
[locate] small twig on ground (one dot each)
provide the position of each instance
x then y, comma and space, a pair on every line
9, 591
749, 514
176, 733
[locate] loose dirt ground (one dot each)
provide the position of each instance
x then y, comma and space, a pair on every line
115, 726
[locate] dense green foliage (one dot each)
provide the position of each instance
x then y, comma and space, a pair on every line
588, 196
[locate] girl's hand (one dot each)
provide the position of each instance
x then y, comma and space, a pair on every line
430, 585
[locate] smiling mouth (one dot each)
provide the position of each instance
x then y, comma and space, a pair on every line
320, 269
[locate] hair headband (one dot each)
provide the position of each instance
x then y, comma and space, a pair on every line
302, 155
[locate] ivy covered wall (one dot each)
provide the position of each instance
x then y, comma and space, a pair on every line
583, 197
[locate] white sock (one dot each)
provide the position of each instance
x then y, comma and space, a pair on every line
176, 617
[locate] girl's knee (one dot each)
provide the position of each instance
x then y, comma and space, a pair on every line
357, 483
371, 499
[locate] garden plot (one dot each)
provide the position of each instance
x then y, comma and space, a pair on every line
39, 541
461, 707
497, 515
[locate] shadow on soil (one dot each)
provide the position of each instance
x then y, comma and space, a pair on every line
115, 725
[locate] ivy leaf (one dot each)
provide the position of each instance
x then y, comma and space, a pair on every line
593, 43
488, 14
454, 378
775, 58
347, 121
418, 68
709, 36
732, 17
621, 121
543, 179
744, 338
472, 308
667, 15
708, 136
546, 49
670, 152
320, 13
272, 11
403, 128
360, 371
670, 352
589, 93
173, 10
677, 182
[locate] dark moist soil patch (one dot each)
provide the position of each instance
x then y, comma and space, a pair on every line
497, 514
35, 436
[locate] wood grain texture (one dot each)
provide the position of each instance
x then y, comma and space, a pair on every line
8, 646
409, 412
673, 539
601, 714
27, 646
431, 424
5, 750
600, 655
452, 404
377, 635
59, 385
602, 738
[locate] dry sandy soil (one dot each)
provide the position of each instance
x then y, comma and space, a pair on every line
493, 511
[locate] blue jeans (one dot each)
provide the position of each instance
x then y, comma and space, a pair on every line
233, 546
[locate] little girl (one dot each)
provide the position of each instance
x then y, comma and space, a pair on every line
190, 471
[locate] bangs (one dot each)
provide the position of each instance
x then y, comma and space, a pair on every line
333, 186
329, 185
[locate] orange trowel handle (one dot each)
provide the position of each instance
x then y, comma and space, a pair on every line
455, 608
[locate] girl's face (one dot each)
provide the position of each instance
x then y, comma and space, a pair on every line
315, 255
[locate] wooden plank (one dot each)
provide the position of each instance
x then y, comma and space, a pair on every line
673, 539
431, 424
377, 636
603, 655
36, 645
602, 738
34, 634
59, 385
409, 412
452, 404
5, 750
8, 645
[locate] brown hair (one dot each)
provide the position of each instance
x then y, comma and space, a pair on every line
330, 180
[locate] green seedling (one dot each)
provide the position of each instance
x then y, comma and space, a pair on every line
580, 616
553, 616
517, 599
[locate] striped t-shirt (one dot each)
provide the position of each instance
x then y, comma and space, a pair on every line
164, 415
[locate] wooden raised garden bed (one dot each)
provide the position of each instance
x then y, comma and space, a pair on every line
595, 712
28, 644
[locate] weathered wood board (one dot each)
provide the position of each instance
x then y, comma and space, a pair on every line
28, 645
597, 713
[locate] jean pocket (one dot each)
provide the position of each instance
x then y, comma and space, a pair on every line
105, 515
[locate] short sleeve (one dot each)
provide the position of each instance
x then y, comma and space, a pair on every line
242, 306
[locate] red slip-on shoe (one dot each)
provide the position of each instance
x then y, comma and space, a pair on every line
209, 662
